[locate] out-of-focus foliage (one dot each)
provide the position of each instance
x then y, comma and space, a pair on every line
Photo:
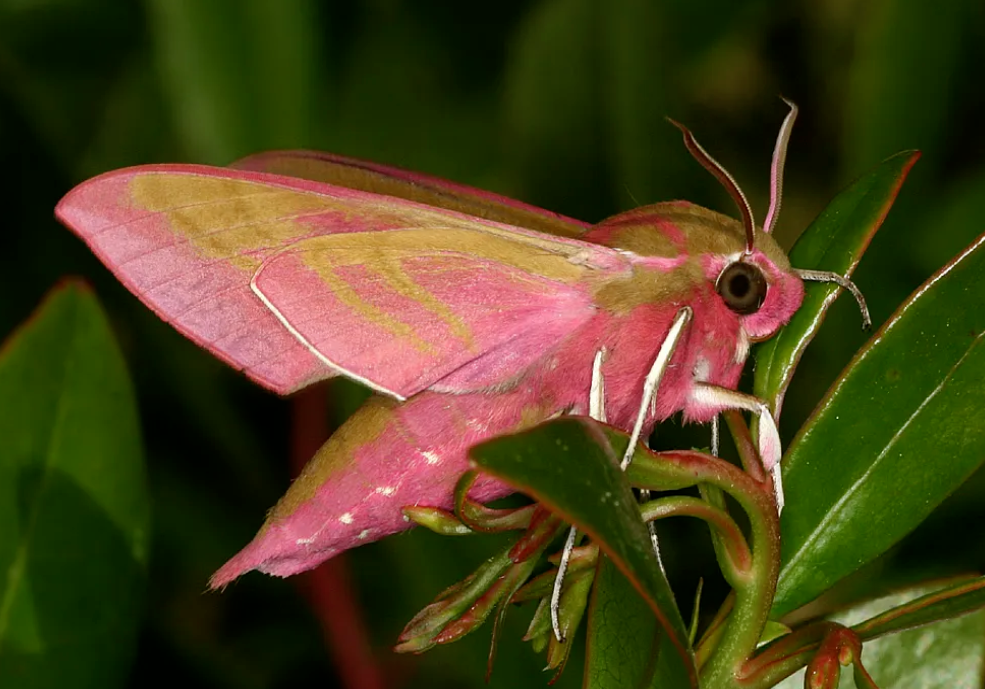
74, 508
558, 102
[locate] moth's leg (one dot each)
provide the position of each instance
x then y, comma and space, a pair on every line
769, 437
562, 569
650, 385
652, 381
652, 528
596, 410
715, 439
597, 406
596, 394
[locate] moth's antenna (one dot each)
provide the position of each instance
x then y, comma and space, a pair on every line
776, 196
776, 169
722, 175
841, 281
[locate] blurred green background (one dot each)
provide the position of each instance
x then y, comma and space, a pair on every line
558, 102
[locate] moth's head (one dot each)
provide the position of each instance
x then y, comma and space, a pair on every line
752, 275
758, 286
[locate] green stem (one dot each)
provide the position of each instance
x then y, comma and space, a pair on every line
713, 632
786, 655
819, 646
753, 593
737, 559
480, 518
753, 599
744, 444
716, 498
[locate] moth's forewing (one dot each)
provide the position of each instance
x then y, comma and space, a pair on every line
405, 309
230, 257
411, 186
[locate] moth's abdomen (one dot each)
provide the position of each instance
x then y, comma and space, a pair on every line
385, 457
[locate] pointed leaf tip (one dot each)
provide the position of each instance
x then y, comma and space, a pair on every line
835, 242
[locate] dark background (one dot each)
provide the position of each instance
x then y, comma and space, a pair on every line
558, 102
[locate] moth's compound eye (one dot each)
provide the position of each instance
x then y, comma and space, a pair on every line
743, 287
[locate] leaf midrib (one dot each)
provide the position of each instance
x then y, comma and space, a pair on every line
858, 483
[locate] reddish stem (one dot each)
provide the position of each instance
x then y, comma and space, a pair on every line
329, 588
824, 647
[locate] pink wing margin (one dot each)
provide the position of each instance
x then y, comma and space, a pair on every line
364, 175
199, 245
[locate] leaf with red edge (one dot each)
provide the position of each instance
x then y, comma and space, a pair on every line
569, 467
835, 241
626, 646
948, 653
951, 601
895, 435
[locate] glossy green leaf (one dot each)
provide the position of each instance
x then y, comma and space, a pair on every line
943, 655
626, 647
951, 601
895, 435
568, 466
73, 501
773, 630
835, 241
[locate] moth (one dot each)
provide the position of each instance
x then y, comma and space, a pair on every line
470, 314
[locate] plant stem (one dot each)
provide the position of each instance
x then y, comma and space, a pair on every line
736, 558
754, 593
819, 646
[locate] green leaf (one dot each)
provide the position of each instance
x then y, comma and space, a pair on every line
773, 630
626, 647
569, 467
938, 656
73, 501
835, 241
946, 603
894, 436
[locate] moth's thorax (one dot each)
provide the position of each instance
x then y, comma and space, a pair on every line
677, 247
673, 229
677, 252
